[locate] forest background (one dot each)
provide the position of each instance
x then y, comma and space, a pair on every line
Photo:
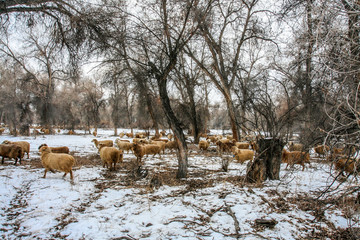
276, 68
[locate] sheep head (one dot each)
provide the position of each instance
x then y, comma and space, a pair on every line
45, 149
42, 145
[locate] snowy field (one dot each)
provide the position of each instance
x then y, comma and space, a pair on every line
209, 204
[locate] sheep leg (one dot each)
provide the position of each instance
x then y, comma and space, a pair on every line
71, 175
45, 173
2, 160
28, 155
16, 159
64, 175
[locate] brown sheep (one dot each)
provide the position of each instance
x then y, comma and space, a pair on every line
124, 145
62, 149
242, 145
242, 155
56, 161
11, 151
296, 147
230, 137
140, 140
171, 145
295, 157
110, 156
25, 146
107, 143
129, 135
203, 145
141, 150
161, 144
212, 139
170, 136
224, 145
156, 136
348, 165
71, 132
161, 139
337, 151
349, 150
45, 131
321, 150
141, 135
254, 146
2, 130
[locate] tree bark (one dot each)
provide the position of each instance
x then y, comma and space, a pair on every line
309, 68
176, 128
194, 121
232, 116
145, 92
267, 164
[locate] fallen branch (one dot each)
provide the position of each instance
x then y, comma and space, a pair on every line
236, 222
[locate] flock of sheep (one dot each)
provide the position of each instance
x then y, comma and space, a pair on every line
58, 158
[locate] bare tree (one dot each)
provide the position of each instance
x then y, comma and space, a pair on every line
16, 98
187, 77
44, 77
115, 81
236, 25
92, 102
67, 101
163, 35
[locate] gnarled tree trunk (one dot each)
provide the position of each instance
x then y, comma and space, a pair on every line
175, 126
267, 164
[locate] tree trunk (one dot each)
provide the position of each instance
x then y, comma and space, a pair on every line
206, 119
267, 164
232, 116
190, 90
115, 116
194, 120
309, 68
144, 91
176, 128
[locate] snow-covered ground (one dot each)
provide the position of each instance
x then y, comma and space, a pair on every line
209, 204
